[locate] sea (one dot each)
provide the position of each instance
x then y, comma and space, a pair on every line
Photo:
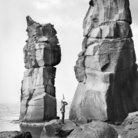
9, 118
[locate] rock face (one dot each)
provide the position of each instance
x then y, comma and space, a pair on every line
106, 68
130, 124
41, 54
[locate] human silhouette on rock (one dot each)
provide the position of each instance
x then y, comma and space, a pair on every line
62, 109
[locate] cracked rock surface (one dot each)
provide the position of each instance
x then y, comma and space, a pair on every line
41, 53
106, 68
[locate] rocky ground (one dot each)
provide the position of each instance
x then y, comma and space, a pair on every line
94, 129
81, 129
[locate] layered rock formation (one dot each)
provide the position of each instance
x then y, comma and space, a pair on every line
41, 54
106, 68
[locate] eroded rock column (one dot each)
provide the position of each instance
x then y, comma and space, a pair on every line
41, 53
106, 67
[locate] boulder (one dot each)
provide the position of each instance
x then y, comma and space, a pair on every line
104, 11
50, 129
94, 129
130, 124
55, 129
68, 125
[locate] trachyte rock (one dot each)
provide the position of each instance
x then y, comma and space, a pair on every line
106, 68
130, 124
15, 134
41, 54
51, 128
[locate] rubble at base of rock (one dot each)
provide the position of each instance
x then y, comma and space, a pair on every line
41, 53
106, 67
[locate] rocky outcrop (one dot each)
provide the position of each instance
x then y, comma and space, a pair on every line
55, 129
51, 128
130, 126
41, 54
106, 68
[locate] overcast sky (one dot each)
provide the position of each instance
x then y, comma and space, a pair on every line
67, 17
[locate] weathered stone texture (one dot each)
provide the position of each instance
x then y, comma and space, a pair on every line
41, 54
130, 124
94, 130
106, 12
42, 47
106, 67
15, 134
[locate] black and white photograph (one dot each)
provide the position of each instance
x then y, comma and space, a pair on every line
69, 69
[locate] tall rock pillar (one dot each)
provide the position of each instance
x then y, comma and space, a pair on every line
41, 54
106, 68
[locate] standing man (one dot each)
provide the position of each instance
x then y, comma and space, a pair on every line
62, 109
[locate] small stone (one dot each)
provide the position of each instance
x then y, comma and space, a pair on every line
41, 54
106, 67
15, 134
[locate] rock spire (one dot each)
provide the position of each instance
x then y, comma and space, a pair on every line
41, 53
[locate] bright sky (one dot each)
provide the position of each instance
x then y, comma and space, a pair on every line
67, 17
